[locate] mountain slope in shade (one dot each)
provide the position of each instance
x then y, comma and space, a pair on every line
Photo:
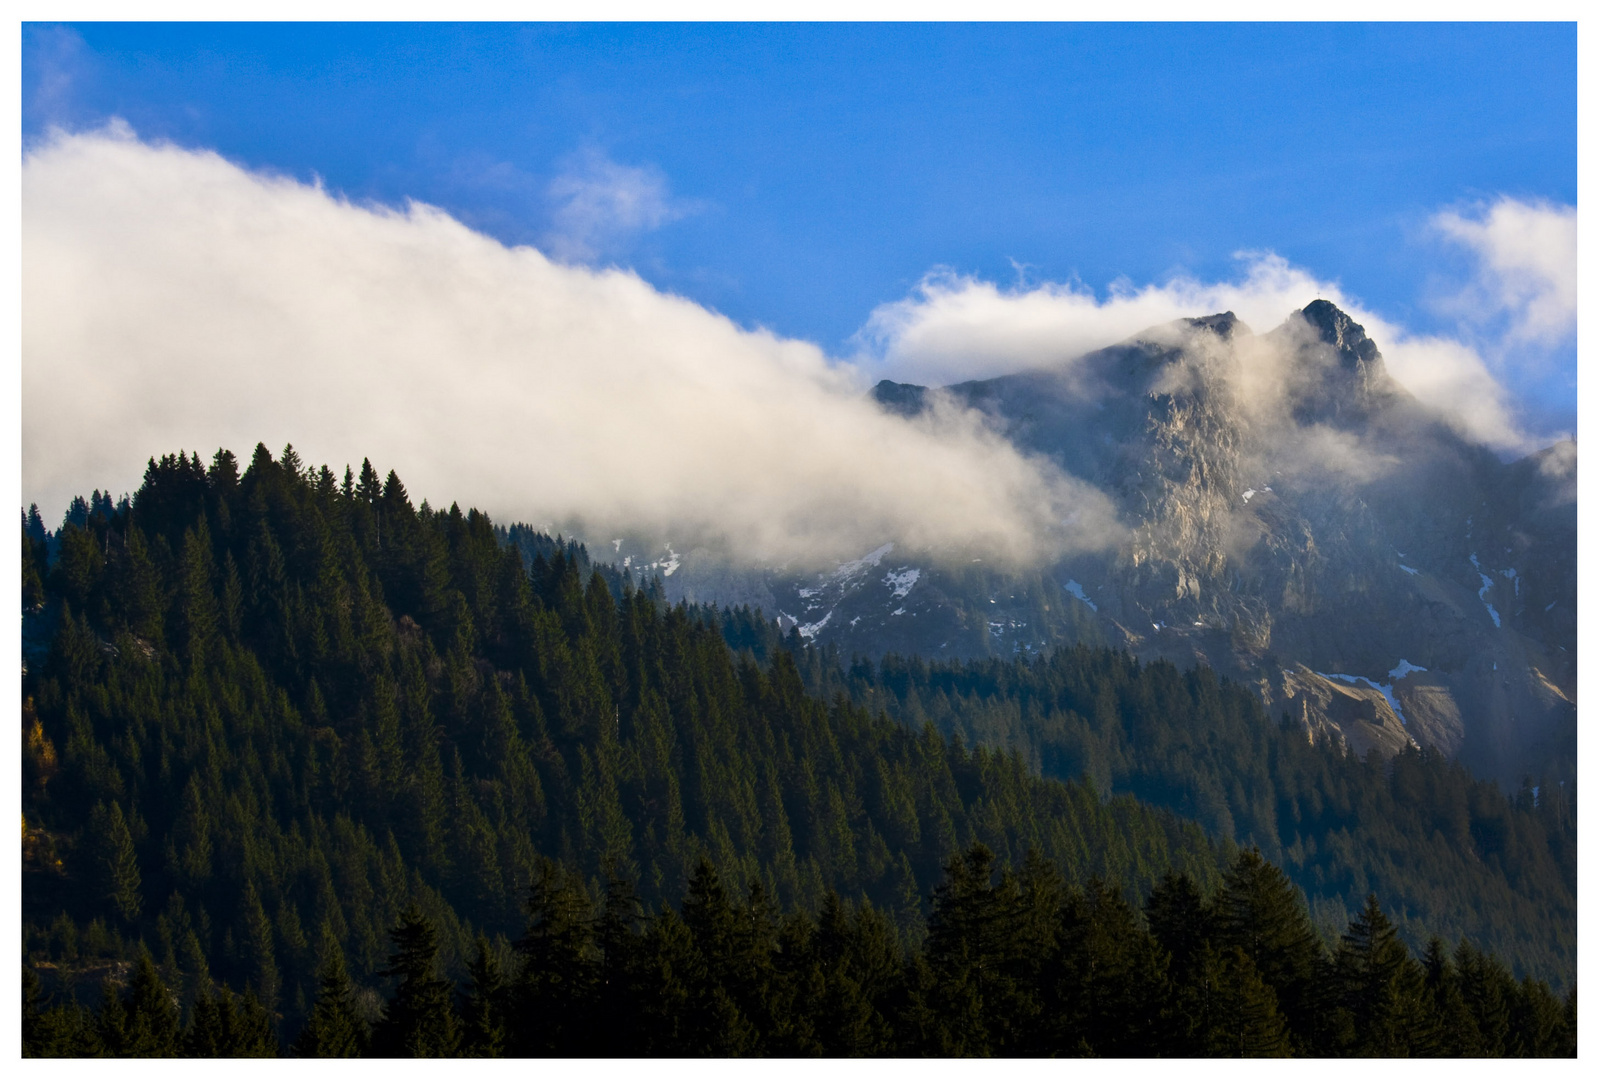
1297, 520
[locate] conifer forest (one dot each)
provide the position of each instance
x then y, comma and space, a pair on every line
311, 771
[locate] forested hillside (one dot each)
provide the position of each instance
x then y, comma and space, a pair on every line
1447, 854
282, 730
277, 705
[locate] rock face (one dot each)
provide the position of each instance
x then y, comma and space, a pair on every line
1297, 520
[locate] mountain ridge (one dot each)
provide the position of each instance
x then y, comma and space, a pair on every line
1294, 514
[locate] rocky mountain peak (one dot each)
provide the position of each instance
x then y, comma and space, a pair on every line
1352, 377
1225, 325
902, 399
1338, 330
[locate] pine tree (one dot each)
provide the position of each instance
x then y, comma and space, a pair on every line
483, 1024
223, 473
370, 485
115, 863
857, 960
969, 951
554, 987
33, 1040
1179, 921
333, 1029
138, 589
1457, 1035
260, 947
144, 1022
1242, 1017
197, 617
1381, 986
1260, 912
618, 936
1486, 987
228, 1026
671, 975
419, 1020
1109, 977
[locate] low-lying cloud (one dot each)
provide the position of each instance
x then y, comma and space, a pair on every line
955, 327
172, 299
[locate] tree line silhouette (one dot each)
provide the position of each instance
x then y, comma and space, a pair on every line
1014, 963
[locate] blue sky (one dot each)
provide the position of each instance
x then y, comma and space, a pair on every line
800, 177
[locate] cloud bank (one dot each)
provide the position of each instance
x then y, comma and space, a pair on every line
173, 300
953, 327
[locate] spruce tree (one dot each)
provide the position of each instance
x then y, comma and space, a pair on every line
419, 1020
1382, 987
229, 1026
1180, 921
334, 1030
1108, 981
671, 975
1243, 1020
1487, 988
33, 1036
1260, 912
1457, 1036
554, 987
483, 1032
115, 863
857, 959
143, 1022
260, 947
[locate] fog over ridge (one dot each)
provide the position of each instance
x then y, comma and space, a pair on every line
172, 299
955, 327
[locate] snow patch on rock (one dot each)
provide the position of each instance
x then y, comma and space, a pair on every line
901, 581
1384, 688
809, 630
1073, 587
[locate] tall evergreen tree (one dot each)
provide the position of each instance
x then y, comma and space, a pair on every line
1260, 912
554, 989
1382, 988
334, 1030
145, 1021
230, 1026
483, 1031
115, 863
1241, 1018
419, 1020
1457, 1036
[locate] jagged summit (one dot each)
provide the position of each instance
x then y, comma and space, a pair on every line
1338, 330
1345, 379
902, 399
1225, 325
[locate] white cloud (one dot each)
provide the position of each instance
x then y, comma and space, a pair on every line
173, 300
954, 327
600, 203
1526, 267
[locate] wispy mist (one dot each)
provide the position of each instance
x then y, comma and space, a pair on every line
955, 327
172, 299
599, 203
1525, 255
